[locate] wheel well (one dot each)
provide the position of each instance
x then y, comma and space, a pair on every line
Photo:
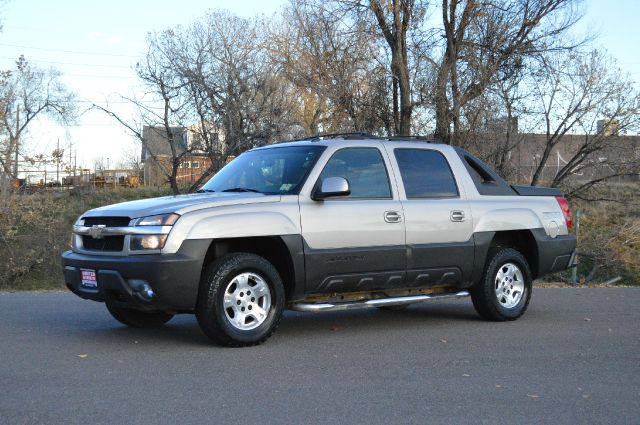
523, 241
271, 248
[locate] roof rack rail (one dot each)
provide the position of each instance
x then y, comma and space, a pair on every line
408, 138
320, 136
361, 136
347, 136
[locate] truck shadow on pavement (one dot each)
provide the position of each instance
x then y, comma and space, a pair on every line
184, 329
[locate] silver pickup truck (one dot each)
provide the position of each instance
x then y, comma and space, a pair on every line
326, 223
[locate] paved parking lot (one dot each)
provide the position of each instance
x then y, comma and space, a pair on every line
573, 358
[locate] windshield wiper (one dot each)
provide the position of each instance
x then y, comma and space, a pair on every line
204, 191
241, 189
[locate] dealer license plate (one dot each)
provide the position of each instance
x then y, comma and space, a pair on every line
88, 278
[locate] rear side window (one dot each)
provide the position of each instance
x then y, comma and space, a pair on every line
364, 170
425, 174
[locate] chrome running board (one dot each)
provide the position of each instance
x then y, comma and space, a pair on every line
380, 302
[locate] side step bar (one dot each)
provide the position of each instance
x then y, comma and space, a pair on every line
380, 302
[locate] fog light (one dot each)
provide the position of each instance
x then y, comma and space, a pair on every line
142, 242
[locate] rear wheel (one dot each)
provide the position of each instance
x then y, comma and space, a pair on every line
241, 300
505, 290
137, 318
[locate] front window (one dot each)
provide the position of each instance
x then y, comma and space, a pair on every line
363, 168
277, 170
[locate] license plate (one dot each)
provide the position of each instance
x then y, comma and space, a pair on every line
88, 278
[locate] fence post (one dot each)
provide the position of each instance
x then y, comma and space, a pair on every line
574, 271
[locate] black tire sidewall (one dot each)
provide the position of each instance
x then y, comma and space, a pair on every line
264, 328
483, 294
499, 260
220, 275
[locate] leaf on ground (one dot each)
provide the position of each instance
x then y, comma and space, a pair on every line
83, 356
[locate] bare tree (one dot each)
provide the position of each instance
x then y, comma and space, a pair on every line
484, 41
586, 93
26, 93
330, 67
393, 21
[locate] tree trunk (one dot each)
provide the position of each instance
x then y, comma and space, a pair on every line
406, 106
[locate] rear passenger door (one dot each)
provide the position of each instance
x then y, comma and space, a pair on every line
355, 242
438, 220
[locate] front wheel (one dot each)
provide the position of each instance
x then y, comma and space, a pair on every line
241, 300
505, 289
138, 319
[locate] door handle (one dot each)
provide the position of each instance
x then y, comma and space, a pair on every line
457, 215
392, 217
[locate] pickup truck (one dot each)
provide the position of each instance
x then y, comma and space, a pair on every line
326, 223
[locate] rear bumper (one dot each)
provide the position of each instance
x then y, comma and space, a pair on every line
554, 254
173, 278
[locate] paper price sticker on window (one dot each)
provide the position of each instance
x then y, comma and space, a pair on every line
88, 278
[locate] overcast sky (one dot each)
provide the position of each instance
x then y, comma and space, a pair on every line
96, 45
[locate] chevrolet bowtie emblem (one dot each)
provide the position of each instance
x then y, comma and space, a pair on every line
95, 231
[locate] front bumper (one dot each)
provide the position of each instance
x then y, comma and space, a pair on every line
174, 278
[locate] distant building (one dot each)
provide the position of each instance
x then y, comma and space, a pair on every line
608, 127
156, 144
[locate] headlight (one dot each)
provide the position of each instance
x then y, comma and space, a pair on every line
142, 242
152, 241
158, 220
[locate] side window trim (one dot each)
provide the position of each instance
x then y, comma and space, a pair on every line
446, 161
349, 198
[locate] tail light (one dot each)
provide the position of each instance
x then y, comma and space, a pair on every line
566, 210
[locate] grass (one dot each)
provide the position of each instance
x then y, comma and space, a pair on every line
35, 230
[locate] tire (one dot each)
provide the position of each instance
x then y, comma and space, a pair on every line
138, 319
227, 310
505, 289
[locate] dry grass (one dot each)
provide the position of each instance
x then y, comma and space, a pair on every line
610, 234
35, 230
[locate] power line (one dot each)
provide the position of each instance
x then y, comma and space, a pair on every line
68, 51
71, 63
99, 76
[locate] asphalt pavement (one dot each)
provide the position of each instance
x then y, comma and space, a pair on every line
574, 358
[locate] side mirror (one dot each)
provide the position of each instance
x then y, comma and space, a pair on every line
332, 186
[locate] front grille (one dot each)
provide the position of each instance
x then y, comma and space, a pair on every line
107, 243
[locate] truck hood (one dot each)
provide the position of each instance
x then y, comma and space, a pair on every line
179, 204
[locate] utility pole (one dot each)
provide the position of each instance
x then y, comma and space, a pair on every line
15, 161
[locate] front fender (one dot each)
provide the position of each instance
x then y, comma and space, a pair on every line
235, 222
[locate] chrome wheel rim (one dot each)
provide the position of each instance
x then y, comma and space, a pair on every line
247, 301
509, 285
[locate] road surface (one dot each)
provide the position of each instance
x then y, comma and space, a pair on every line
573, 358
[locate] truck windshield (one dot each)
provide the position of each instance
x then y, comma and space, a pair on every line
277, 170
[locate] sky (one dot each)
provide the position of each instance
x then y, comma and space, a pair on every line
96, 45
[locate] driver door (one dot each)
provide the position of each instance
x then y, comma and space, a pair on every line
355, 242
